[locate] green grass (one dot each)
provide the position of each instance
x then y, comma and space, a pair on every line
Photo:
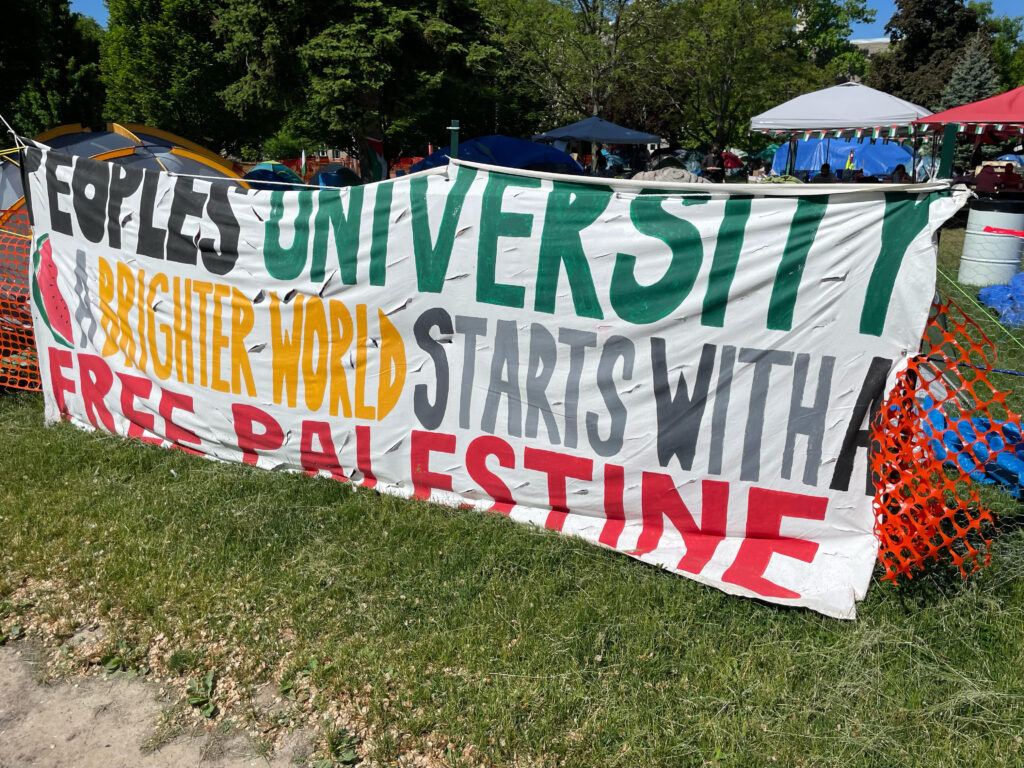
535, 648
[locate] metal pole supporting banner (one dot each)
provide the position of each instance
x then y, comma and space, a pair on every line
453, 150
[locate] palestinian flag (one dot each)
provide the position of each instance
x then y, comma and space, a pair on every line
375, 158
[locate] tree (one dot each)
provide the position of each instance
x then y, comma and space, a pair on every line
335, 71
584, 57
1007, 33
974, 77
49, 68
160, 66
927, 39
716, 69
822, 33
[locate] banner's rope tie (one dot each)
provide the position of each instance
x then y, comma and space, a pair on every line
14, 134
973, 301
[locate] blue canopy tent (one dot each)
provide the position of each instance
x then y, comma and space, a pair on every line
873, 159
505, 151
599, 131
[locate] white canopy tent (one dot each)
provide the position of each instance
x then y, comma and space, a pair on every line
847, 108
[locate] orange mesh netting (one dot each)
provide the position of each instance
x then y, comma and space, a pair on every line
18, 365
943, 422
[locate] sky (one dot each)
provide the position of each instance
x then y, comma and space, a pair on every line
883, 11
95, 8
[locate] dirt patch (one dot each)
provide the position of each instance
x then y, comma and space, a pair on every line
96, 722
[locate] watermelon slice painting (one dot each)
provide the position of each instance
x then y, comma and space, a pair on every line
49, 301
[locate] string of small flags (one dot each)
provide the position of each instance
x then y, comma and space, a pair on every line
898, 133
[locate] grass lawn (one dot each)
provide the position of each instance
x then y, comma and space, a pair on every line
463, 629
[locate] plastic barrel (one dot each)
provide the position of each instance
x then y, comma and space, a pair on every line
990, 258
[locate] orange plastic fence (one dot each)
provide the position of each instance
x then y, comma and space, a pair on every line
18, 364
943, 420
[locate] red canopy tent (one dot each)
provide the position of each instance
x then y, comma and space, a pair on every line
1003, 114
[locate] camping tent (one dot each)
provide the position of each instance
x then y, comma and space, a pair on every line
272, 176
599, 131
505, 151
873, 158
848, 108
337, 175
125, 144
1004, 112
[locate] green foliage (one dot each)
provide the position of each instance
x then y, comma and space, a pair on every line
200, 694
694, 72
14, 632
928, 37
286, 144
974, 77
823, 35
585, 57
716, 69
160, 67
341, 745
125, 659
1007, 33
182, 661
49, 66
338, 71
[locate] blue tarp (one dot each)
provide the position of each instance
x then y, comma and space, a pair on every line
505, 151
600, 131
987, 451
1006, 299
876, 159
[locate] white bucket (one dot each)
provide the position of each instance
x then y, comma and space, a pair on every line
989, 258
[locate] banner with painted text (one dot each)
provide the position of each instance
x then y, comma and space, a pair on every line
683, 374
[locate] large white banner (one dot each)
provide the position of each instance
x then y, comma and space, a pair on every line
684, 374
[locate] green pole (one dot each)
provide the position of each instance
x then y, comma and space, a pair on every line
453, 150
948, 148
791, 160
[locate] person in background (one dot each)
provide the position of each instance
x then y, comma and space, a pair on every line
613, 162
987, 181
825, 176
758, 172
1010, 178
960, 176
900, 175
713, 165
